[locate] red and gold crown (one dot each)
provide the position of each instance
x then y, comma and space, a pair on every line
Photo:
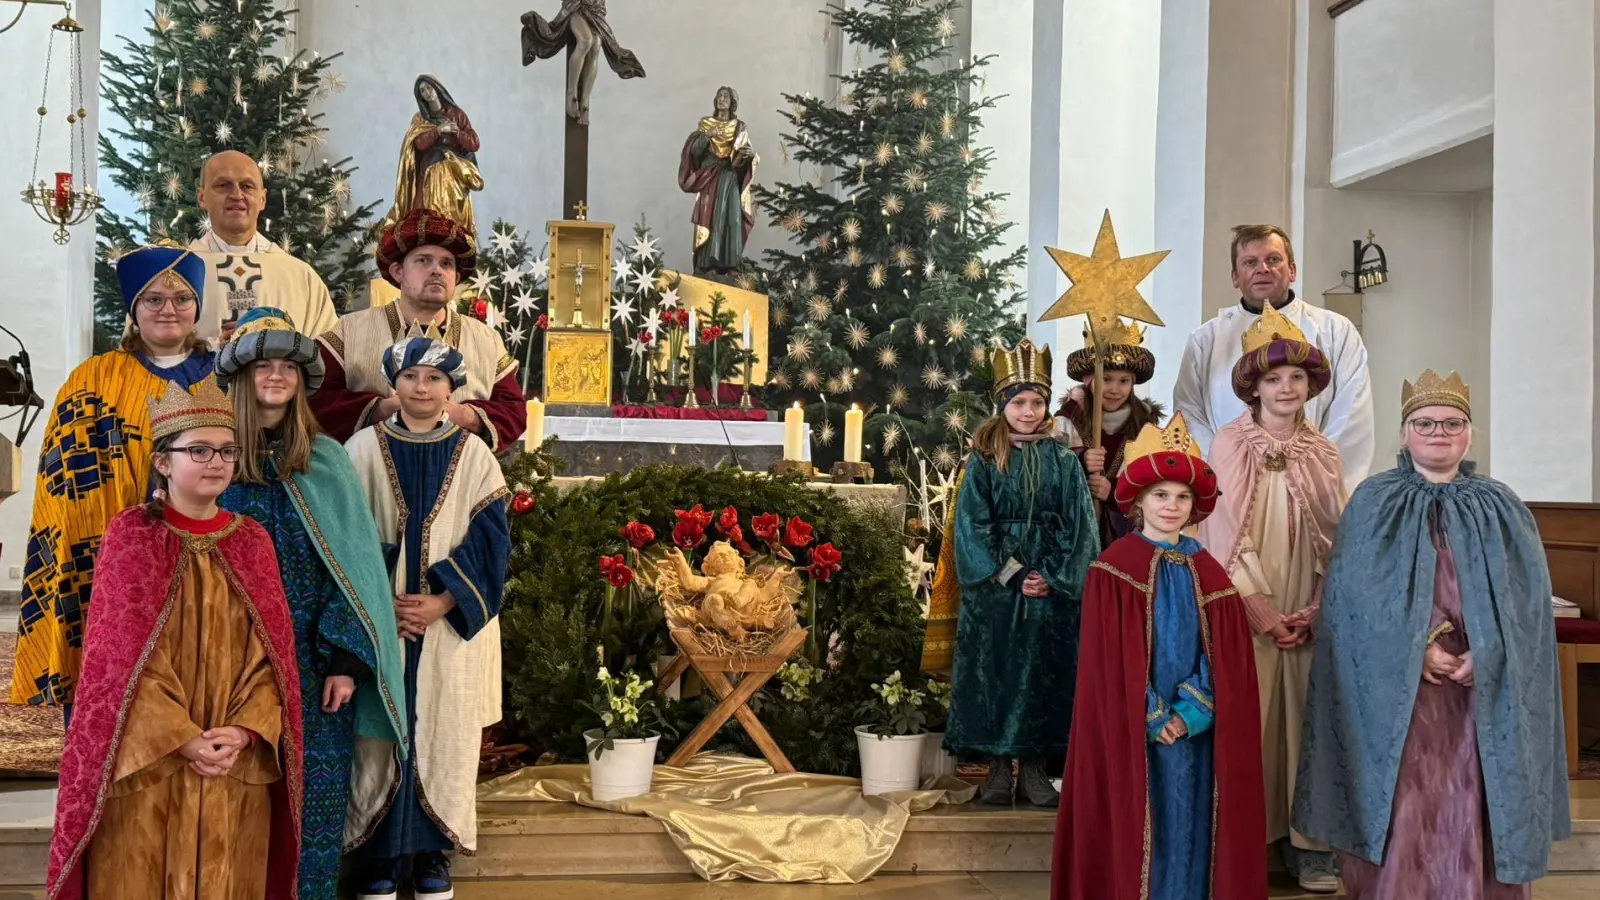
178, 410
1166, 454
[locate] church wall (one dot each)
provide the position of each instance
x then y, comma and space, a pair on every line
689, 48
1433, 312
48, 293
1410, 79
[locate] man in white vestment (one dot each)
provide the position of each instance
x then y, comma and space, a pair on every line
244, 269
1263, 271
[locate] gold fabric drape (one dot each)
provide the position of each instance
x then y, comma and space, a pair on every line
733, 817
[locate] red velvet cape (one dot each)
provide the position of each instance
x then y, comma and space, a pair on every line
135, 587
1102, 838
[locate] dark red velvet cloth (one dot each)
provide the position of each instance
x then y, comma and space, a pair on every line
342, 412
1102, 827
704, 413
137, 566
1577, 631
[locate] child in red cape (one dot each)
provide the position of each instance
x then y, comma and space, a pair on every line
1162, 796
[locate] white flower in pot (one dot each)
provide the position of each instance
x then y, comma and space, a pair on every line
891, 739
622, 751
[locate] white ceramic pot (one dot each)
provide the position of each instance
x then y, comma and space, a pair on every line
935, 759
889, 763
624, 770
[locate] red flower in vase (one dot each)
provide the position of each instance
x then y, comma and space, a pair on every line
616, 570
543, 323
646, 338
766, 526
824, 562
638, 535
523, 503
683, 318
797, 534
709, 334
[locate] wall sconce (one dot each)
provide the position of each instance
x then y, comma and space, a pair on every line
1371, 265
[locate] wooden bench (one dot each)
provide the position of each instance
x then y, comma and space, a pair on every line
1570, 533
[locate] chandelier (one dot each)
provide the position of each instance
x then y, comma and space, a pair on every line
64, 204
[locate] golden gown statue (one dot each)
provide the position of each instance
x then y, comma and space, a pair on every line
438, 159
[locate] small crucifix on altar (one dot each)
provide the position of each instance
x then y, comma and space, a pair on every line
577, 267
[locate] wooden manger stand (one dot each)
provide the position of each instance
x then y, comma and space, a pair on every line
733, 699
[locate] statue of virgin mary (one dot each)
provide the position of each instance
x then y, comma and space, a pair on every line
438, 159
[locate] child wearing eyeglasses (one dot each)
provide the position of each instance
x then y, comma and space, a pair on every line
181, 773
1282, 494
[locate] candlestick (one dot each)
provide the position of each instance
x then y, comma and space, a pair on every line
533, 437
852, 433
690, 401
794, 432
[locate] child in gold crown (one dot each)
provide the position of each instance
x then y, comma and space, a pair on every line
1162, 792
181, 776
1282, 493
1023, 534
1124, 364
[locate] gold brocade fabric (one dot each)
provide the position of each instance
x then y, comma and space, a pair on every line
166, 833
944, 602
733, 817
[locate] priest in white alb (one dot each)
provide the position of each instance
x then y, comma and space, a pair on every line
243, 268
1263, 272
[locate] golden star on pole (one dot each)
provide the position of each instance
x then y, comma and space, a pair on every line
1104, 285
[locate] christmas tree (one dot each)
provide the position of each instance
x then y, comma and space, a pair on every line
901, 284
206, 79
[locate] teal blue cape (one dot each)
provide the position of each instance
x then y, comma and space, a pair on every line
336, 517
1377, 603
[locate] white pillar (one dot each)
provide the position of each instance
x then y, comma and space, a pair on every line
1002, 28
50, 306
1543, 331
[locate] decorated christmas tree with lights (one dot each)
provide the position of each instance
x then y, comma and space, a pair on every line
901, 281
206, 77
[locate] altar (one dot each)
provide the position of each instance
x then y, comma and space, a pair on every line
600, 445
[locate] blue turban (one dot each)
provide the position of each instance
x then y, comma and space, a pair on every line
269, 333
425, 351
140, 268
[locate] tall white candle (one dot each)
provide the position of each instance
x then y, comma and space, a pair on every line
694, 333
747, 329
852, 433
534, 435
794, 432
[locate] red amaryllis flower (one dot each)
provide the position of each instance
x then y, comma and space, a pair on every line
820, 573
543, 323
728, 519
638, 534
688, 534
683, 318
826, 555
709, 334
480, 310
766, 526
646, 338
697, 515
797, 534
735, 536
523, 503
617, 573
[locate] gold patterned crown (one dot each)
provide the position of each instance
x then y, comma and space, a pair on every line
1022, 364
1161, 440
1120, 334
1431, 390
1270, 326
178, 410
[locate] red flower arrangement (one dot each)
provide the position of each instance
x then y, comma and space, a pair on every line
480, 310
797, 534
543, 323
824, 562
616, 570
690, 532
709, 334
523, 503
766, 526
638, 535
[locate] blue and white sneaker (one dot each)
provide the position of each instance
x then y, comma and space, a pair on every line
430, 877
380, 880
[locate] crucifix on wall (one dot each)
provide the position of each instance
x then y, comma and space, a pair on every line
579, 28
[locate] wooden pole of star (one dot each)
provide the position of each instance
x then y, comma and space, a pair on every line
1105, 286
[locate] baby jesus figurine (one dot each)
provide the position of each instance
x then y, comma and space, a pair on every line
731, 601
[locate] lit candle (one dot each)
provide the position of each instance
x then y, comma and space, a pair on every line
694, 339
852, 434
794, 432
747, 329
534, 435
